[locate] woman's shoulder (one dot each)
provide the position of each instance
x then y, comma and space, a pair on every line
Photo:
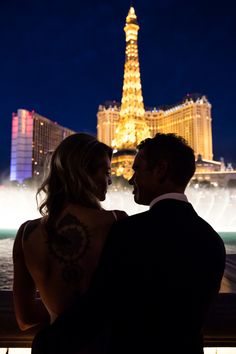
27, 228
31, 225
22, 233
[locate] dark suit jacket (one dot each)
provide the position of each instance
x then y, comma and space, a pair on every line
160, 272
158, 275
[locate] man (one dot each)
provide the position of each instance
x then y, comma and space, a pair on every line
160, 269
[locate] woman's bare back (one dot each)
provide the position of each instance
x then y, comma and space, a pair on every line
62, 261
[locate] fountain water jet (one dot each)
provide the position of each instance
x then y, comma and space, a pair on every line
216, 206
17, 205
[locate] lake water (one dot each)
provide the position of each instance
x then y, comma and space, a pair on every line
6, 244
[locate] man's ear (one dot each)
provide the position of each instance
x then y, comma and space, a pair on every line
161, 171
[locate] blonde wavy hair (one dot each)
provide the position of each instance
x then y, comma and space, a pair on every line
76, 159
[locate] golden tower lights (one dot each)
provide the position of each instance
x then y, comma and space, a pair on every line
132, 127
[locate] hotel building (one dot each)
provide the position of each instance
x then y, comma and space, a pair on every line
124, 125
190, 119
33, 138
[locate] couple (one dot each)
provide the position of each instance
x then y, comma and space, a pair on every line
142, 284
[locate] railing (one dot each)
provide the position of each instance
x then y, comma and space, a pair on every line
10, 335
220, 330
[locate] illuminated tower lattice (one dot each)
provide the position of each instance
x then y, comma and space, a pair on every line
124, 125
132, 127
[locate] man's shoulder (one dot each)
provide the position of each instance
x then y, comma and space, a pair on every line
132, 219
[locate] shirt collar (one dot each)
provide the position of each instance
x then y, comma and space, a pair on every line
178, 196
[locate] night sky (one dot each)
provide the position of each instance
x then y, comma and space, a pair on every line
63, 58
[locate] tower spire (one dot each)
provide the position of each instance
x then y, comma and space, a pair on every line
132, 127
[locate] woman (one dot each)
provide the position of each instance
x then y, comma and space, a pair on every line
58, 253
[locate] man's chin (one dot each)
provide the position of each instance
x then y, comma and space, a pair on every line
139, 200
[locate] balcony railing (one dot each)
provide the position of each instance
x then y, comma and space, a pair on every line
220, 329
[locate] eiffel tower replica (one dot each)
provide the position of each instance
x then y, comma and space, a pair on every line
132, 127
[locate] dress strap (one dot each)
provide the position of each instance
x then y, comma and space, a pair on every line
114, 214
24, 232
29, 226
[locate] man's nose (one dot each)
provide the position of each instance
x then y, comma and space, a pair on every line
109, 180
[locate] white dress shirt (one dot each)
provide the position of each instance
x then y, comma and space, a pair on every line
177, 196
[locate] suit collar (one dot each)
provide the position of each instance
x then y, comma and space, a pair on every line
176, 196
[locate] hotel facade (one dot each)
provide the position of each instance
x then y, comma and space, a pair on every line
190, 119
34, 137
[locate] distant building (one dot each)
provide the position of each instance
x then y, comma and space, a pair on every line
107, 120
124, 125
190, 119
203, 165
33, 138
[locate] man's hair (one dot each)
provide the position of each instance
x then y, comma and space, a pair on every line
70, 179
175, 151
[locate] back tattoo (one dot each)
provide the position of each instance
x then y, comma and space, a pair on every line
69, 241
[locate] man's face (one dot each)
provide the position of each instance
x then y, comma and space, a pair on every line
143, 180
